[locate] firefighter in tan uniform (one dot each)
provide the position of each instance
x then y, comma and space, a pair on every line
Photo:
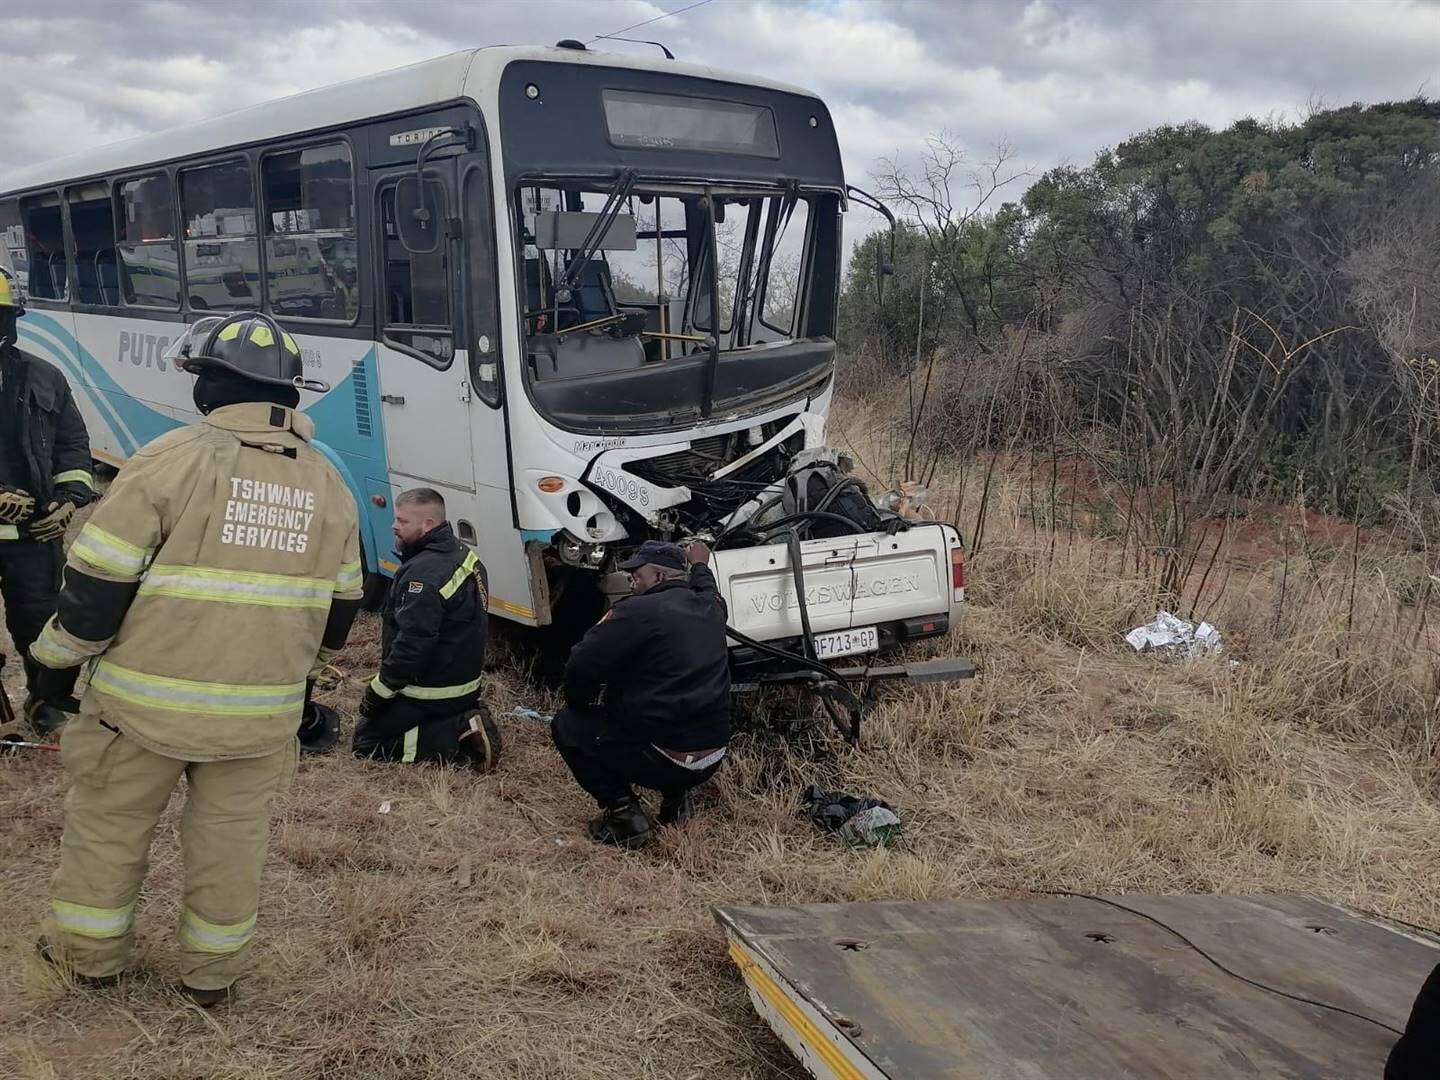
220, 572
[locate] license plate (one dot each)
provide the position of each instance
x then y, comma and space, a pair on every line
847, 642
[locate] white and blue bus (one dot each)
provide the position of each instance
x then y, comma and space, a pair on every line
605, 314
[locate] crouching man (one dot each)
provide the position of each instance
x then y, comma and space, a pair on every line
422, 706
660, 658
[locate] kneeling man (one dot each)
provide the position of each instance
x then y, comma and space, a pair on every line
422, 706
660, 658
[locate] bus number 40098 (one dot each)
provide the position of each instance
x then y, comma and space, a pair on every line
628, 488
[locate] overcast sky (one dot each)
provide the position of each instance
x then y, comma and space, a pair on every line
1057, 80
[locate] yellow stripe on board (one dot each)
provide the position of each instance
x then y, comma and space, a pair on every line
496, 604
801, 1024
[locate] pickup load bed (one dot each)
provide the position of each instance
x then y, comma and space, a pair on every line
905, 585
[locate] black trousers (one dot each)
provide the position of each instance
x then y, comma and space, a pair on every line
29, 585
1417, 1055
405, 731
608, 767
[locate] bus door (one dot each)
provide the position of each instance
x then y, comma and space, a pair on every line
424, 370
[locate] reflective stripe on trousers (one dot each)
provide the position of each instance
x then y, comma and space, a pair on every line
93, 922
412, 745
206, 936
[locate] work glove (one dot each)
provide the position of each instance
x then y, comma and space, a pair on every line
16, 505
53, 521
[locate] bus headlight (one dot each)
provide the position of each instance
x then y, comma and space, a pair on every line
573, 552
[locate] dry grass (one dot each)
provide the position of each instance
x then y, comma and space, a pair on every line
1071, 763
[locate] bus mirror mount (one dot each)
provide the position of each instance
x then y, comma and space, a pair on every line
418, 218
419, 203
884, 261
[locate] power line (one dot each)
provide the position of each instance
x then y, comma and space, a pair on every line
655, 19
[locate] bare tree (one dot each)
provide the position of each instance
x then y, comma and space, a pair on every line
944, 198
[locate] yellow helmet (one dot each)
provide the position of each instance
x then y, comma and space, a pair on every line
10, 296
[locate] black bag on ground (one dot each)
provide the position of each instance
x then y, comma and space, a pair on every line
824, 488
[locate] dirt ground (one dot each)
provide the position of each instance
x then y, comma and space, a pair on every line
1071, 763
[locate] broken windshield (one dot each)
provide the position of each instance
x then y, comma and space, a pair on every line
618, 296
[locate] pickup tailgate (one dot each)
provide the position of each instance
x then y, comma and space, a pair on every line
849, 582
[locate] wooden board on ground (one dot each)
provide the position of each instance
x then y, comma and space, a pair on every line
1073, 988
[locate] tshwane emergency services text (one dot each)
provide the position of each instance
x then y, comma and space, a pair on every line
260, 514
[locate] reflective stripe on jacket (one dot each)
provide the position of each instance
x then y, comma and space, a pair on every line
435, 626
662, 662
50, 434
203, 583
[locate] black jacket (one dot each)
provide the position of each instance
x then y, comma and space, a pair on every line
663, 663
435, 625
53, 444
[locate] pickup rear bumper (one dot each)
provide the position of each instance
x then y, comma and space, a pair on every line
949, 669
859, 683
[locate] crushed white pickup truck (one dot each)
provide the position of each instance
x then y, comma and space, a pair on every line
819, 577
822, 577
813, 571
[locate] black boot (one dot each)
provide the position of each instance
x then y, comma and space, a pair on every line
45, 719
51, 956
1417, 1055
49, 700
676, 807
625, 825
319, 729
208, 999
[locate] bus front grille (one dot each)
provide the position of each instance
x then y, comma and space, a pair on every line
686, 467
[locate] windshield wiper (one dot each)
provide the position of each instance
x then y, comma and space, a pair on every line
707, 397
753, 286
619, 192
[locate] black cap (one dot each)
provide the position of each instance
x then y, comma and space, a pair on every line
656, 553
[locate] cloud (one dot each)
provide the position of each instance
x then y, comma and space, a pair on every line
1058, 81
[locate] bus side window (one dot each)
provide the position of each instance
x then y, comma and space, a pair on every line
149, 261
222, 257
45, 247
415, 291
311, 264
92, 225
12, 235
484, 290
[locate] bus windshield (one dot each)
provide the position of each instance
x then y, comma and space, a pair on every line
620, 310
